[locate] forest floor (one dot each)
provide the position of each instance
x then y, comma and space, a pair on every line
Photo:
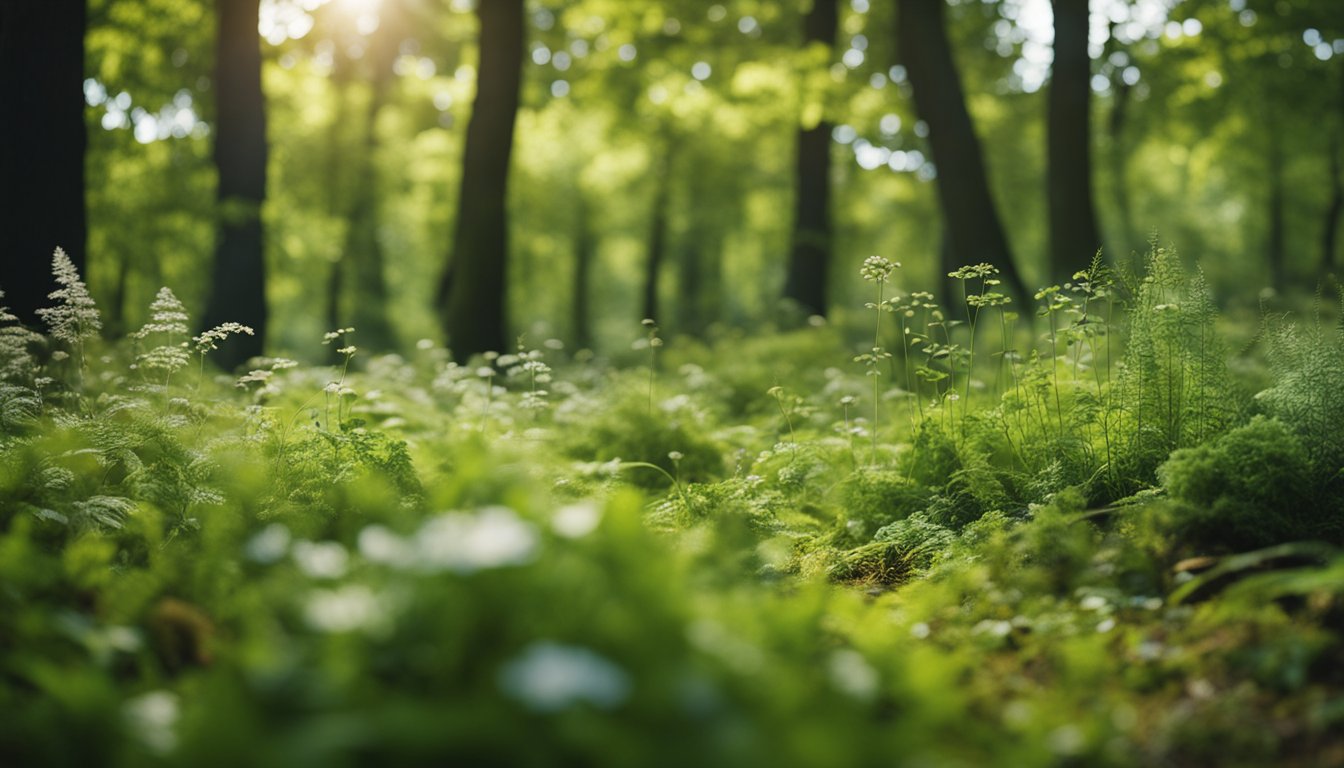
698, 553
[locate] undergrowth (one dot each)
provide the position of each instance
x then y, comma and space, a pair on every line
1016, 538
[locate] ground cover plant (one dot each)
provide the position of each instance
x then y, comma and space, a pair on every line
1069, 539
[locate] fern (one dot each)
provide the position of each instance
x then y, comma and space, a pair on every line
74, 319
1306, 365
1173, 390
17, 365
168, 319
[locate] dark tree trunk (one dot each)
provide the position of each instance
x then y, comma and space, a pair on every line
657, 247
362, 246
238, 277
1330, 237
972, 230
1119, 157
1276, 247
336, 199
1073, 218
475, 317
42, 144
810, 251
115, 325
580, 322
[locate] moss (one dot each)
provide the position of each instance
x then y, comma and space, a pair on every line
876, 497
1249, 488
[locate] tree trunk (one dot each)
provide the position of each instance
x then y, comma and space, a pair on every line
972, 230
238, 276
1118, 157
1073, 218
810, 251
362, 246
657, 247
580, 321
42, 144
1276, 247
475, 317
1330, 236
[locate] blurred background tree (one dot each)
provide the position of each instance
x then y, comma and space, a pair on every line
692, 160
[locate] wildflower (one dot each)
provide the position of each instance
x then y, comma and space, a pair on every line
75, 317
209, 340
549, 677
168, 317
876, 269
331, 336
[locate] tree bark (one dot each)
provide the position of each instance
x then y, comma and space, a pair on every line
475, 285
580, 321
972, 230
42, 145
1276, 246
657, 246
1119, 161
1073, 218
810, 252
1330, 237
238, 276
369, 313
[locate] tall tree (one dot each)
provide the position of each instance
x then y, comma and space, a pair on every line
1330, 235
474, 285
238, 276
810, 251
659, 214
584, 250
972, 231
363, 249
1276, 243
1074, 236
42, 144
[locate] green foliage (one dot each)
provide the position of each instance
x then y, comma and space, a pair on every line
920, 541
877, 497
340, 564
628, 431
1307, 365
1250, 488
1174, 390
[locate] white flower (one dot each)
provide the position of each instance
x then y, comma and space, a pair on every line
549, 677
152, 717
269, 544
347, 609
852, 674
465, 543
575, 521
322, 559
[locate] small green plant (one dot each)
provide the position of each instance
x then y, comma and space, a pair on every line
168, 319
538, 373
338, 387
74, 319
981, 299
652, 341
208, 341
777, 393
876, 270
